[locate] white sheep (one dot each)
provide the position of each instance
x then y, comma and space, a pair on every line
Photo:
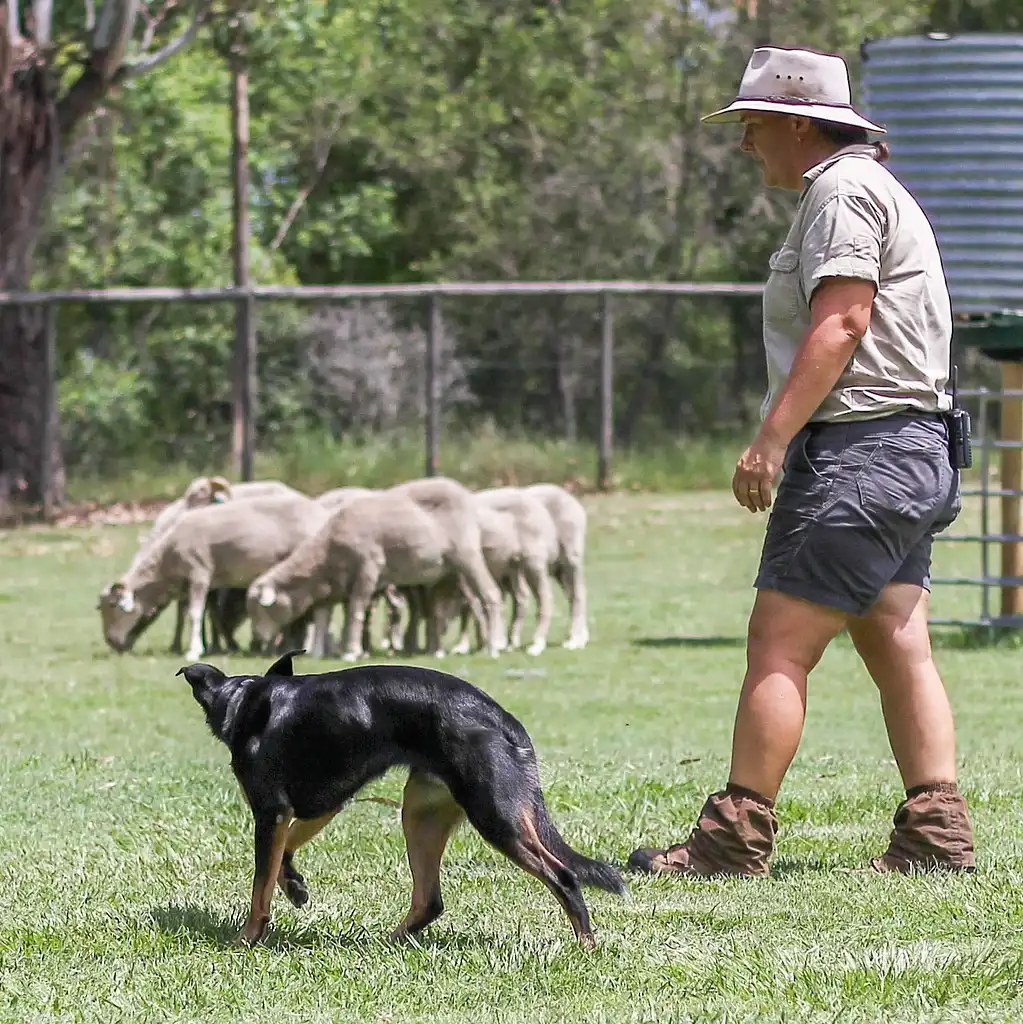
376, 540
340, 496
569, 517
203, 491
211, 547
520, 545
453, 503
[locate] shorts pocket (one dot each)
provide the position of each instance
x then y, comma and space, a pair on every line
908, 483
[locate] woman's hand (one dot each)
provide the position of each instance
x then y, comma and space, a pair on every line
756, 472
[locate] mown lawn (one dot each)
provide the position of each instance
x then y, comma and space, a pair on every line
125, 846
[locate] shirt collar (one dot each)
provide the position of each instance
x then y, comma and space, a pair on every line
859, 150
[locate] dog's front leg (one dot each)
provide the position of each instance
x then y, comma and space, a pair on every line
271, 835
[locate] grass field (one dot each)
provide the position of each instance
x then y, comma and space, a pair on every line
125, 848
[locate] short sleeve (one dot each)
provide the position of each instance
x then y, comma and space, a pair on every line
843, 239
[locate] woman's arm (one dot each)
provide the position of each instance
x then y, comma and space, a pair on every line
839, 316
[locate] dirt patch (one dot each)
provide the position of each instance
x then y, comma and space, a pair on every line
88, 513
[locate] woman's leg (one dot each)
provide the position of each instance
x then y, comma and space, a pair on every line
786, 638
735, 831
932, 825
894, 643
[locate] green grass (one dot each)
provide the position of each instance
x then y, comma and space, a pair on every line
481, 459
125, 851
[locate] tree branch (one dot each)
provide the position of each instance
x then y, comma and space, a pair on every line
323, 147
110, 42
90, 15
174, 46
42, 15
13, 24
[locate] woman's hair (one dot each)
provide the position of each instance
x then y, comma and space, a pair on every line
849, 135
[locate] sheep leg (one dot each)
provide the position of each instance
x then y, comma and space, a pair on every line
540, 584
469, 605
519, 595
359, 599
395, 603
321, 631
574, 584
197, 593
483, 585
177, 646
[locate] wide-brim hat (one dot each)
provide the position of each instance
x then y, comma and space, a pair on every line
779, 80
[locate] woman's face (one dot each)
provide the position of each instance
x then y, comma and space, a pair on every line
773, 141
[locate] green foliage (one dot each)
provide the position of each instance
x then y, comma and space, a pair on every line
405, 140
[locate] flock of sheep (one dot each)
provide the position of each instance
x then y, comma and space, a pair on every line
431, 550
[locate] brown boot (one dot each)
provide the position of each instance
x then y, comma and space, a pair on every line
932, 832
734, 835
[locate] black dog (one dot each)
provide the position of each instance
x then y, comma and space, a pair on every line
301, 746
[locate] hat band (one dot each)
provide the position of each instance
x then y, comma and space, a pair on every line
795, 100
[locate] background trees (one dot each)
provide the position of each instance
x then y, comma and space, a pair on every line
392, 140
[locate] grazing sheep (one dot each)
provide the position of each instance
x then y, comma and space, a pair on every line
376, 540
341, 496
520, 544
213, 547
202, 491
570, 522
453, 504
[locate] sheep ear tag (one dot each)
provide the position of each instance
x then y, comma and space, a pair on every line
268, 597
127, 602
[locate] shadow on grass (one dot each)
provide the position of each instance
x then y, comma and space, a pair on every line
689, 641
214, 930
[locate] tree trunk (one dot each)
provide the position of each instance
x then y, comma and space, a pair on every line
29, 159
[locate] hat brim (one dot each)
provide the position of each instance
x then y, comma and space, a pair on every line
818, 111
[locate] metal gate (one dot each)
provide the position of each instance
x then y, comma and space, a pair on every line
1001, 531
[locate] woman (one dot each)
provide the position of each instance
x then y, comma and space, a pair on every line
857, 332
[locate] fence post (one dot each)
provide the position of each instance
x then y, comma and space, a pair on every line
244, 434
606, 391
1012, 481
49, 410
433, 333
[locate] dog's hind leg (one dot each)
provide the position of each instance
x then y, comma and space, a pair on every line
291, 882
271, 833
429, 815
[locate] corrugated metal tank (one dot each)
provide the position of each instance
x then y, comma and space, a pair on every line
953, 107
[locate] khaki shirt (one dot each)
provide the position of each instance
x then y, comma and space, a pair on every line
855, 219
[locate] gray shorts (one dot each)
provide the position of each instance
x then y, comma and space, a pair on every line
858, 507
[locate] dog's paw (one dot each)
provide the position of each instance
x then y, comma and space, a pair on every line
296, 892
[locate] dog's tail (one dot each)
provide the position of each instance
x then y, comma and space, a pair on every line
595, 873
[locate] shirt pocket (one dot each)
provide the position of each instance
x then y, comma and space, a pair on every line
781, 292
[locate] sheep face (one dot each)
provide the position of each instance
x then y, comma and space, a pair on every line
124, 617
270, 610
207, 490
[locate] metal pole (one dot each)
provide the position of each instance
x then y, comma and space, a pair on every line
48, 412
985, 497
606, 391
433, 334
243, 440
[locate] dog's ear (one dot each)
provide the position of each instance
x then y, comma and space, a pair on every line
202, 677
282, 666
